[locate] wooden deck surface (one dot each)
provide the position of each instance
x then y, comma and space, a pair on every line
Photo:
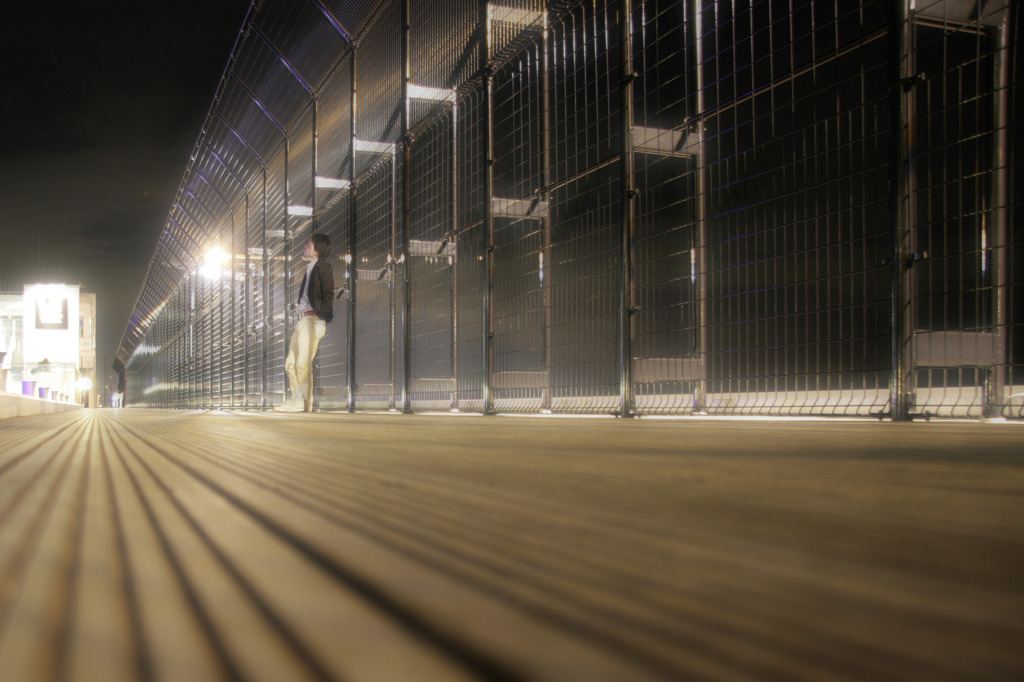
141, 545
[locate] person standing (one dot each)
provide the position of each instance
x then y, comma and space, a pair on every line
315, 309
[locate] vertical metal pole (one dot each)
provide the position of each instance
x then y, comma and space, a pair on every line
453, 260
314, 400
215, 325
233, 336
193, 390
224, 344
206, 392
392, 266
198, 344
545, 198
315, 146
196, 380
406, 209
700, 391
245, 308
995, 399
209, 334
901, 125
626, 309
286, 284
266, 296
488, 251
207, 313
350, 265
189, 355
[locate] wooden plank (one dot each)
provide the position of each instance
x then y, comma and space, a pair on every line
168, 627
38, 527
212, 545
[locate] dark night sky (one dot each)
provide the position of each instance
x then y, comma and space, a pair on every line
102, 103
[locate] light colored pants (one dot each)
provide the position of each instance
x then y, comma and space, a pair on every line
299, 364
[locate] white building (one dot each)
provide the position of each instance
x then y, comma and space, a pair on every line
48, 342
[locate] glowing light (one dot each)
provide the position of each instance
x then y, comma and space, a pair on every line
512, 15
209, 271
374, 147
984, 249
433, 94
213, 264
332, 183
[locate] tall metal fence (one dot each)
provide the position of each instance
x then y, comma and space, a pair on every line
777, 207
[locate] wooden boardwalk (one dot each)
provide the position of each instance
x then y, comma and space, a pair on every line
140, 545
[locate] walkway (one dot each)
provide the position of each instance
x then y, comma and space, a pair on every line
138, 545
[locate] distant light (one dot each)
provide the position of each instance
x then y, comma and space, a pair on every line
209, 271
984, 249
298, 209
374, 147
84, 384
216, 255
212, 267
512, 15
434, 94
332, 183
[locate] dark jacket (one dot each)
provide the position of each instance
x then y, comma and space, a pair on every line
320, 289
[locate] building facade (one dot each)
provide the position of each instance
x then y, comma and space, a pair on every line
48, 342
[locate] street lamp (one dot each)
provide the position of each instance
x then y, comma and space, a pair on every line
213, 263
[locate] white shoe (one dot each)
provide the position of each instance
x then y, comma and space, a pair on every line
290, 406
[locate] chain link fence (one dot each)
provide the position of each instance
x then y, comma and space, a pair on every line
632, 207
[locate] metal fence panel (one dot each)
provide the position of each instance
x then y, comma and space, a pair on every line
959, 337
431, 262
331, 375
279, 325
374, 286
624, 206
257, 292
520, 376
665, 361
1008, 258
468, 251
582, 252
796, 152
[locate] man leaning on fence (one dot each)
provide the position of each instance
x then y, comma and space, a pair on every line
315, 309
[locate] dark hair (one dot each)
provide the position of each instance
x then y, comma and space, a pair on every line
322, 244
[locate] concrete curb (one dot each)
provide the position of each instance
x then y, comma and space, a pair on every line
14, 405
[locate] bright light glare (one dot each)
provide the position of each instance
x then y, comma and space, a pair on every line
213, 263
374, 147
332, 183
216, 255
85, 384
210, 271
435, 94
